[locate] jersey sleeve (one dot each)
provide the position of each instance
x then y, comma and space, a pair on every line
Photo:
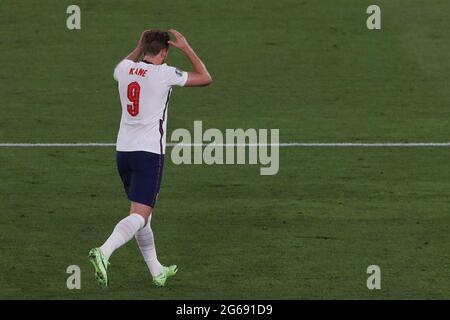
121, 67
174, 77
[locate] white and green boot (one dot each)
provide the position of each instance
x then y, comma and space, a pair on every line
160, 280
100, 263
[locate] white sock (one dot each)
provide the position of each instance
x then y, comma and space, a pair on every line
122, 233
146, 242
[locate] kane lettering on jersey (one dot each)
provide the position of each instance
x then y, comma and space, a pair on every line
144, 90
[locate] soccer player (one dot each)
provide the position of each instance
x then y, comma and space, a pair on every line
145, 87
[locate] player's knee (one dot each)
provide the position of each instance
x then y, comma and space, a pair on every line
142, 210
145, 215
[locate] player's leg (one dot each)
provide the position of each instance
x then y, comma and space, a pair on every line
123, 232
146, 243
131, 175
147, 190
125, 229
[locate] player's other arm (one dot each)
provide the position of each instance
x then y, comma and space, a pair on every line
199, 76
136, 54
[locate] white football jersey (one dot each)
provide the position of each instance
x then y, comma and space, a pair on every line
144, 90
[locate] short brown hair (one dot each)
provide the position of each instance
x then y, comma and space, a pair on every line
155, 41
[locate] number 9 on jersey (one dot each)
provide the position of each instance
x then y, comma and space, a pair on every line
134, 91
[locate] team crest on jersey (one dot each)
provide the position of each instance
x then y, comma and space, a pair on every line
179, 72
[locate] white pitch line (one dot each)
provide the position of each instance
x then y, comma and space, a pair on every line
287, 144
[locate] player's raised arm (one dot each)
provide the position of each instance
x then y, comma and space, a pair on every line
136, 54
199, 76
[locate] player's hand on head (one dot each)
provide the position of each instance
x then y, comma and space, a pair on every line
180, 41
141, 39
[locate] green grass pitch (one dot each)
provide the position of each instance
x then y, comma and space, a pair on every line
310, 68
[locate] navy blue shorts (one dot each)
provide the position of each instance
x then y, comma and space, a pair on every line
141, 174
